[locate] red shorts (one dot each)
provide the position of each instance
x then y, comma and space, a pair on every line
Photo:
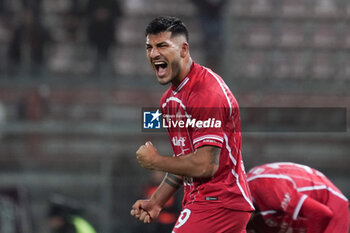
219, 220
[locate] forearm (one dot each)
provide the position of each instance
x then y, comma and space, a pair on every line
202, 163
169, 186
316, 212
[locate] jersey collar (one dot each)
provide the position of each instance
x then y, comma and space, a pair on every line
177, 89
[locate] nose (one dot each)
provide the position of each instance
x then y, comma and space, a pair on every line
154, 53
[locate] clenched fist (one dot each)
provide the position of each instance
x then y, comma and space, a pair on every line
145, 210
147, 155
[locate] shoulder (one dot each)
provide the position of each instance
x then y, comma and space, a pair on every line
208, 86
207, 77
265, 175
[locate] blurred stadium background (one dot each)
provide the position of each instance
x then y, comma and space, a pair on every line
67, 127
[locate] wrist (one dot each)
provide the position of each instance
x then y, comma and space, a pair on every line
155, 202
157, 162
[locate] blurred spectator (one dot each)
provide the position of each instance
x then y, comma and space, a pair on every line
2, 116
72, 20
65, 217
2, 113
2, 6
14, 210
71, 24
70, 55
5, 29
27, 46
34, 5
33, 107
102, 22
210, 14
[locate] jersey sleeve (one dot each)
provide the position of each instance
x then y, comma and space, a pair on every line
276, 194
209, 114
276, 200
314, 211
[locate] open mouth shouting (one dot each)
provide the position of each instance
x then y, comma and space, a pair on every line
161, 68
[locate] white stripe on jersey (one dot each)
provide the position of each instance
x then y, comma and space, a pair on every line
266, 212
183, 83
275, 176
235, 174
222, 85
189, 138
297, 209
215, 137
310, 188
300, 189
278, 164
174, 99
229, 150
240, 188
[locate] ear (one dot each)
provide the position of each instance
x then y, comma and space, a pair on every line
184, 49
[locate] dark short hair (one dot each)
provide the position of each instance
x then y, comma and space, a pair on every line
167, 24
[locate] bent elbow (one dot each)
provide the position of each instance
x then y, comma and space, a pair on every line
207, 171
327, 217
324, 219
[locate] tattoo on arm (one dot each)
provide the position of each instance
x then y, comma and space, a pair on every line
177, 179
173, 180
215, 155
171, 183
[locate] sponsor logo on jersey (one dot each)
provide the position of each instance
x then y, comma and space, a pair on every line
285, 201
178, 141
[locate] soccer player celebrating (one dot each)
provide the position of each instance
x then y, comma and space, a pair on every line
207, 161
295, 198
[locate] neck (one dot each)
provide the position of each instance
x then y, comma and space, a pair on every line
184, 71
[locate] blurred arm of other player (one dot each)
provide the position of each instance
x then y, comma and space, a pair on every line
317, 215
282, 204
313, 216
203, 162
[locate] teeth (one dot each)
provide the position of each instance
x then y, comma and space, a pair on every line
159, 63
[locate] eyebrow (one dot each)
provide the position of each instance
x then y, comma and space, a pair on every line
158, 44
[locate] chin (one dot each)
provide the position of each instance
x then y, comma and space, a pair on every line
164, 81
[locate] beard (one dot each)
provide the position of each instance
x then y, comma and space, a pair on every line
175, 72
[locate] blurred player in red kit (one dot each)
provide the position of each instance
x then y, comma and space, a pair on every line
207, 161
295, 198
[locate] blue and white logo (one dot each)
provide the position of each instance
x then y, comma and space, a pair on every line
151, 119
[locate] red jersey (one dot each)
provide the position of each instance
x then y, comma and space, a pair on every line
280, 189
210, 116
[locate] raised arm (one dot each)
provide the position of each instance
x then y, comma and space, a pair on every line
203, 163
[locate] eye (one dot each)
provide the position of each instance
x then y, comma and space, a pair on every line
163, 45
